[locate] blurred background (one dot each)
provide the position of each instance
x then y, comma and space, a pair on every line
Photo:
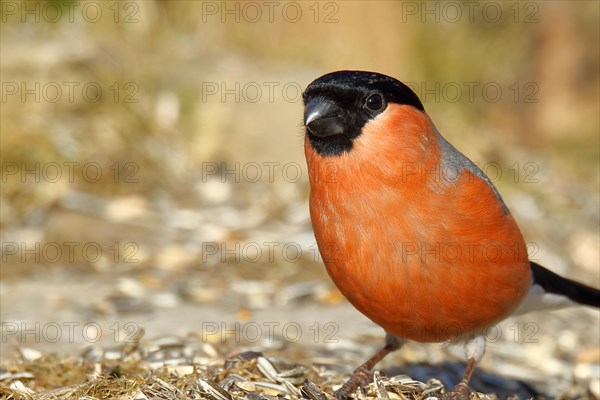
153, 172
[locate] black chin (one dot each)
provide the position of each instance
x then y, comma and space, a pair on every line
330, 146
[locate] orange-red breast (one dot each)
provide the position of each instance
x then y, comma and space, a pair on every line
410, 230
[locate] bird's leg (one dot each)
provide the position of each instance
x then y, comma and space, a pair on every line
362, 373
461, 391
474, 350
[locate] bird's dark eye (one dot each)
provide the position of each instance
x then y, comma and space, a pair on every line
375, 102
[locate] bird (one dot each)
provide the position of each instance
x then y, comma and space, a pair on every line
410, 230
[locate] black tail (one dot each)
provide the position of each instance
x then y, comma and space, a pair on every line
554, 283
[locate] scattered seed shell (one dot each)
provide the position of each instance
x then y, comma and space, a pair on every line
246, 386
214, 390
267, 369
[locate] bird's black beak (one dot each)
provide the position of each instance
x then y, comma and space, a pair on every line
323, 118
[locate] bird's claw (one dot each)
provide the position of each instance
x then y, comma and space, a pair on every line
460, 392
359, 377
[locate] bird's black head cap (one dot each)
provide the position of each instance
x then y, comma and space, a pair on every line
338, 105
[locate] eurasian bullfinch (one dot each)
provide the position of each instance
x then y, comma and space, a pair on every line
411, 231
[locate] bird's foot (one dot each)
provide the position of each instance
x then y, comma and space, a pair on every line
311, 391
460, 392
360, 376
